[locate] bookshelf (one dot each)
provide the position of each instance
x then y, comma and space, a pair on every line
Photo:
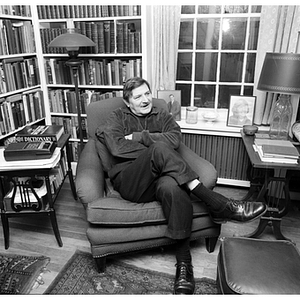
120, 53
21, 96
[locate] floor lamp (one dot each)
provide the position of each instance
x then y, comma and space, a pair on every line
72, 41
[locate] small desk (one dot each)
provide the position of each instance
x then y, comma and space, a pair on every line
30, 203
272, 179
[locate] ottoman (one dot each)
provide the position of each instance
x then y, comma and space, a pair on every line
252, 266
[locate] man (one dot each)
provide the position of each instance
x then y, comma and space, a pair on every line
143, 140
174, 107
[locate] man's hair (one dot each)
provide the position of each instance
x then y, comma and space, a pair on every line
131, 84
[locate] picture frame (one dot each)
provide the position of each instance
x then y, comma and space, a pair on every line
241, 110
173, 106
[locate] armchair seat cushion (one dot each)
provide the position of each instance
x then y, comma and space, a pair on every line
122, 234
113, 211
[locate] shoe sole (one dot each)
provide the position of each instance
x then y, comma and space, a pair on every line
222, 221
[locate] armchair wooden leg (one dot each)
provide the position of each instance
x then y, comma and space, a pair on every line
101, 263
5, 226
211, 243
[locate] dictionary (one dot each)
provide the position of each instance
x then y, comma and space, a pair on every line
39, 133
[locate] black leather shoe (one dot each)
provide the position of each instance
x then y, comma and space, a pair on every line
184, 280
239, 211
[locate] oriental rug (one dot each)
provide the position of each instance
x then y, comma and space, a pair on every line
19, 273
80, 276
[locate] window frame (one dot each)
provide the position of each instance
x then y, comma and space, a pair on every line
194, 17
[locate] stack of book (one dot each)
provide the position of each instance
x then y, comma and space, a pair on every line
39, 133
276, 151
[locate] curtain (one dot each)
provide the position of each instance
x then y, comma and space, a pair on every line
279, 26
165, 35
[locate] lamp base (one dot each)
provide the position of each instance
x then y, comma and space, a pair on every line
281, 118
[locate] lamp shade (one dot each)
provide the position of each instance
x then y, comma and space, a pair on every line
71, 40
280, 73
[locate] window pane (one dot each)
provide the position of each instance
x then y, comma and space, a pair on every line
234, 33
253, 35
186, 35
184, 66
235, 9
256, 8
204, 95
208, 33
185, 93
225, 91
248, 90
206, 66
188, 9
250, 67
209, 9
231, 67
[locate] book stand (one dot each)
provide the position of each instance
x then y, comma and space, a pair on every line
25, 198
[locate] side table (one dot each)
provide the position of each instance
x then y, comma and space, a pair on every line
23, 198
273, 182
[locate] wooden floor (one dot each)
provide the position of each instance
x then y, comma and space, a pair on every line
34, 236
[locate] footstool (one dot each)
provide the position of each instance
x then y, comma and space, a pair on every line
254, 266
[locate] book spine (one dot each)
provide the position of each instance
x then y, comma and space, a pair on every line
35, 138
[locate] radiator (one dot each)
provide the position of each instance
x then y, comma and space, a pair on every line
227, 154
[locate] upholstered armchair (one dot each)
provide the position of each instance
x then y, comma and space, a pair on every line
116, 225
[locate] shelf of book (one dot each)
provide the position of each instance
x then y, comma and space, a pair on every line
87, 11
16, 35
15, 10
20, 109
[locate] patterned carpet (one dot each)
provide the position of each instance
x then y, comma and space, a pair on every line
19, 273
80, 276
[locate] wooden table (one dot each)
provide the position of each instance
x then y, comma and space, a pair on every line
272, 182
23, 198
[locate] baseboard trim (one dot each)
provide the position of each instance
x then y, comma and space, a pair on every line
233, 182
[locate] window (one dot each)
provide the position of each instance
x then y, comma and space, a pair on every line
217, 52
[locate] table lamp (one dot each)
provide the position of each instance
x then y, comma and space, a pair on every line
72, 41
281, 74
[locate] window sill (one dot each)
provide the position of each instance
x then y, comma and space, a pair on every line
218, 127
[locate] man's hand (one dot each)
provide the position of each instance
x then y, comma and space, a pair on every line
128, 137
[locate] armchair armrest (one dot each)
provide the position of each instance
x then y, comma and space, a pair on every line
90, 184
206, 171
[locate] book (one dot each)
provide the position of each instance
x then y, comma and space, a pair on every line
280, 151
279, 160
272, 142
39, 133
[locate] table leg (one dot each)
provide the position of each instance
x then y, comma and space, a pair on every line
256, 178
52, 213
274, 189
55, 227
5, 226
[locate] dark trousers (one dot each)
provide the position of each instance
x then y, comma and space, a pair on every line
159, 174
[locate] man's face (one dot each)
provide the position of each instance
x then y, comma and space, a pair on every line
140, 103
